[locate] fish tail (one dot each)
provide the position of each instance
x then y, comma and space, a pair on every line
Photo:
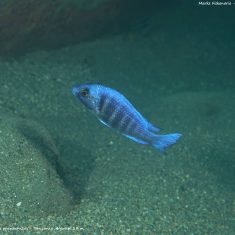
162, 142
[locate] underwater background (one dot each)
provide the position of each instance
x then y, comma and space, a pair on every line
62, 172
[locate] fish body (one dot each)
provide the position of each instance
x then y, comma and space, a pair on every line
116, 112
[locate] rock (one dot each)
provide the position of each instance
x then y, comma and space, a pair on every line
55, 24
30, 183
52, 24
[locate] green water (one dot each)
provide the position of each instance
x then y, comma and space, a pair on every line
62, 170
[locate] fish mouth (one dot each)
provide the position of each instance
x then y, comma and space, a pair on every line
75, 90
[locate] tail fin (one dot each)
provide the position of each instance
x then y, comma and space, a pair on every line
162, 142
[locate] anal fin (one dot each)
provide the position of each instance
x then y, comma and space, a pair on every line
136, 139
153, 128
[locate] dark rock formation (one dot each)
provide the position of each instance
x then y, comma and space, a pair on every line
28, 25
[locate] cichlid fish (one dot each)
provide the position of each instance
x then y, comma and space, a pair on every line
116, 112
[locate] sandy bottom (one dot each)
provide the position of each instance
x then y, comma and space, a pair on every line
118, 186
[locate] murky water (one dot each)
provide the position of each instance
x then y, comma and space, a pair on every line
63, 170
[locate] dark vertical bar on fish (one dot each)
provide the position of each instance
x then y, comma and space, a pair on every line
108, 109
102, 101
116, 115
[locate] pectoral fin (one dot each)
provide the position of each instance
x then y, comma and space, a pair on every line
104, 123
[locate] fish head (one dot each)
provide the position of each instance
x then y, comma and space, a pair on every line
87, 94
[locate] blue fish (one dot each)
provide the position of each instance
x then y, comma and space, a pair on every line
116, 112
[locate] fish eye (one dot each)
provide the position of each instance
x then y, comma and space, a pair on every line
84, 92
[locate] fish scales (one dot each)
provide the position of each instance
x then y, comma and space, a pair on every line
117, 115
